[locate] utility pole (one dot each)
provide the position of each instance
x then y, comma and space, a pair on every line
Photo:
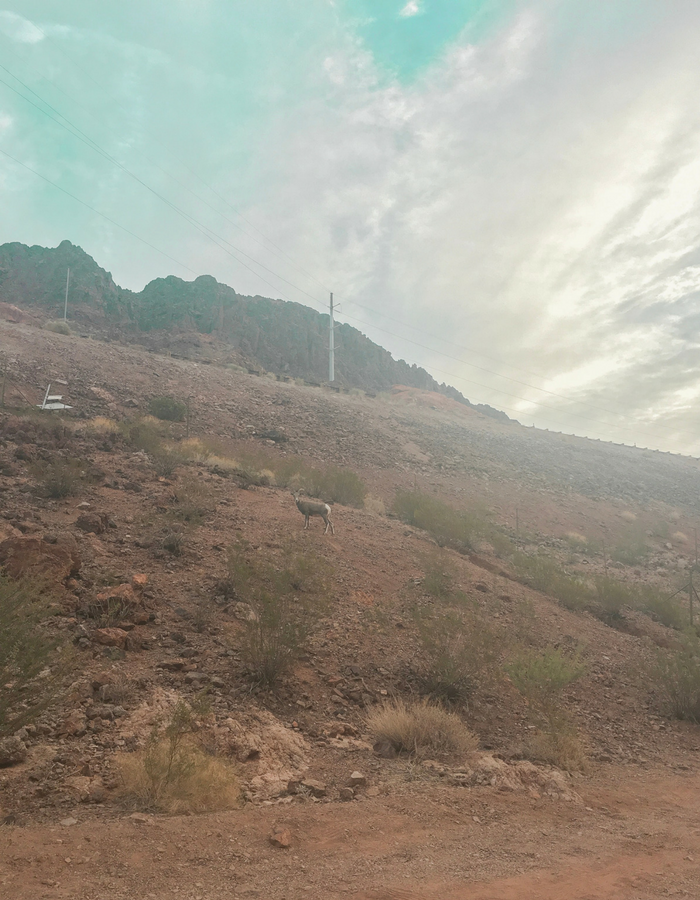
65, 305
331, 347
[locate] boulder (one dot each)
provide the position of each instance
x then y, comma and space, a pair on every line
36, 558
110, 637
12, 751
92, 523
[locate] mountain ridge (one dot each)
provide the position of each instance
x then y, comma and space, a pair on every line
281, 336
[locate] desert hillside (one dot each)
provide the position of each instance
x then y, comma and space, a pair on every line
484, 684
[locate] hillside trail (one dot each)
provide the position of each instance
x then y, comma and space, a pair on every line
636, 836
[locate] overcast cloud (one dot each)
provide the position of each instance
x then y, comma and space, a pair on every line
507, 193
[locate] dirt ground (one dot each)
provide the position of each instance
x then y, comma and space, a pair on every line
636, 838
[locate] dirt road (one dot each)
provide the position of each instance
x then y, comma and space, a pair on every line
635, 837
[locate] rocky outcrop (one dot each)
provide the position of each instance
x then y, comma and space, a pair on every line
56, 559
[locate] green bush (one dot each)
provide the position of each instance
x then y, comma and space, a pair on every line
58, 327
168, 409
285, 597
662, 608
60, 478
612, 595
26, 650
541, 677
461, 651
545, 576
449, 527
632, 549
678, 677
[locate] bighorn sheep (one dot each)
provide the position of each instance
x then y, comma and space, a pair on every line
314, 508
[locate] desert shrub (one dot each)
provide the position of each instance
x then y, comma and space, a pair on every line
193, 500
59, 478
678, 678
103, 425
26, 652
336, 485
461, 651
631, 549
541, 677
58, 327
612, 595
421, 729
145, 434
438, 574
374, 505
168, 409
173, 542
194, 449
174, 774
559, 746
448, 526
661, 607
165, 461
285, 597
545, 576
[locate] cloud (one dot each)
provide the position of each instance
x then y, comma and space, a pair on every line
412, 8
19, 29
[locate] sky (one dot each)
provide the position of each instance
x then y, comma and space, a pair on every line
506, 192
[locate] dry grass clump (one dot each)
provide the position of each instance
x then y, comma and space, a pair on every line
421, 729
174, 774
103, 425
561, 748
374, 505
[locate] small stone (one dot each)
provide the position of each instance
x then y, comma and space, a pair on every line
385, 750
317, 788
347, 793
357, 779
68, 822
280, 837
372, 791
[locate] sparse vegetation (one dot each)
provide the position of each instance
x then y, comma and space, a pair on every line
612, 595
546, 576
678, 678
173, 542
59, 478
449, 527
168, 409
26, 653
174, 774
462, 653
58, 326
541, 677
284, 597
421, 729
193, 500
